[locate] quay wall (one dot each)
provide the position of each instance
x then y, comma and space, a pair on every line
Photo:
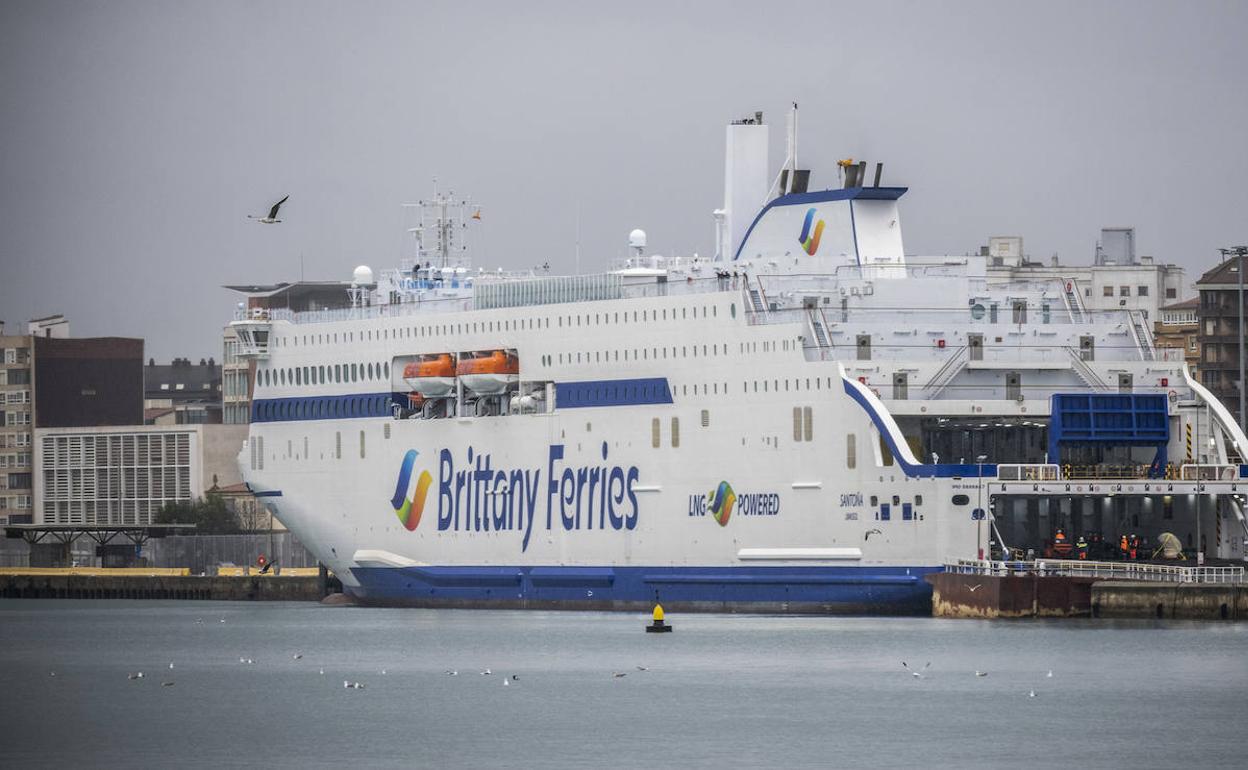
179, 587
1182, 601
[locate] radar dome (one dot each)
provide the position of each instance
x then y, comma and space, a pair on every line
637, 239
363, 275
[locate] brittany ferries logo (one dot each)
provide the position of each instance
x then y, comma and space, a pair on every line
476, 496
408, 509
810, 241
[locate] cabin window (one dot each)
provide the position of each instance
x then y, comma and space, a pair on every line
797, 423
851, 452
337, 445
808, 430
654, 433
385, 430
706, 418
361, 445
675, 432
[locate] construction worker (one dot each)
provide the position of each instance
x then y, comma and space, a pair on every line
1135, 546
1061, 546
1082, 546
1123, 548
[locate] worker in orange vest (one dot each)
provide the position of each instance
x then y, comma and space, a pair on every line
1135, 546
1123, 547
1082, 545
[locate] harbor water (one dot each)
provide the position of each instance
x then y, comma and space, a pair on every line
247, 688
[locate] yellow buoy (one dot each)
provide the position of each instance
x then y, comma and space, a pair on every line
658, 625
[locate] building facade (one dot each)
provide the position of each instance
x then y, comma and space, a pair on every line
191, 391
123, 475
16, 426
1220, 337
1177, 330
48, 379
236, 379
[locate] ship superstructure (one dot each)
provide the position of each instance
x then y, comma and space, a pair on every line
809, 421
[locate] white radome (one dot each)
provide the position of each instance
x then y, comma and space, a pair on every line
637, 239
362, 276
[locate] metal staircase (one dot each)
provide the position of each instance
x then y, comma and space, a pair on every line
955, 363
1074, 304
818, 326
1143, 336
1085, 372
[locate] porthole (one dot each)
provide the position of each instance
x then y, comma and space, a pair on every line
961, 500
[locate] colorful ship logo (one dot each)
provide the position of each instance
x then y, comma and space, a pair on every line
720, 502
809, 241
408, 509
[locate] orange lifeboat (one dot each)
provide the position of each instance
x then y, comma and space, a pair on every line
431, 376
488, 372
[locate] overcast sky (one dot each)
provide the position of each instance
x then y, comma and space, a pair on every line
139, 134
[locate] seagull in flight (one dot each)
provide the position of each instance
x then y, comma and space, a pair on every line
914, 673
271, 219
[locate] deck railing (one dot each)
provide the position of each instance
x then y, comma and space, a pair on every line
1108, 570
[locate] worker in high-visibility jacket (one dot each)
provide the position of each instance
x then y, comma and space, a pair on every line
1123, 548
1082, 546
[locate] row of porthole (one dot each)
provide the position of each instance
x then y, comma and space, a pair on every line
320, 408
323, 374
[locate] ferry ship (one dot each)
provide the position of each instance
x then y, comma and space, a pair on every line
773, 428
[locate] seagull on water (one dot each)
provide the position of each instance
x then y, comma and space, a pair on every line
619, 674
981, 673
170, 665
271, 219
506, 682
138, 675
322, 672
166, 684
1031, 694
642, 668
296, 656
1049, 675
486, 672
452, 673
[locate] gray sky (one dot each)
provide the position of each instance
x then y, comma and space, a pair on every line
139, 134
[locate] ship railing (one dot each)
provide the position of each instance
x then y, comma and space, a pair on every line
1106, 570
1208, 472
1028, 472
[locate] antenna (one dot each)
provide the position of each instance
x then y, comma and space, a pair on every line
790, 161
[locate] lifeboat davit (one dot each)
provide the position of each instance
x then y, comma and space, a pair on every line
489, 372
431, 376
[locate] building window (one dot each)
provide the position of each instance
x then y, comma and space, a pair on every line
1108, 291
1172, 293
1124, 291
1141, 291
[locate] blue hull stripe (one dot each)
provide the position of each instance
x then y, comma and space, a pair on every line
884, 590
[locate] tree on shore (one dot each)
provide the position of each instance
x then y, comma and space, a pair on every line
210, 515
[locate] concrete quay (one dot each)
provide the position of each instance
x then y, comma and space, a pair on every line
179, 587
956, 595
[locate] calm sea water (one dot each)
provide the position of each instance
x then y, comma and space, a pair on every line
721, 691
